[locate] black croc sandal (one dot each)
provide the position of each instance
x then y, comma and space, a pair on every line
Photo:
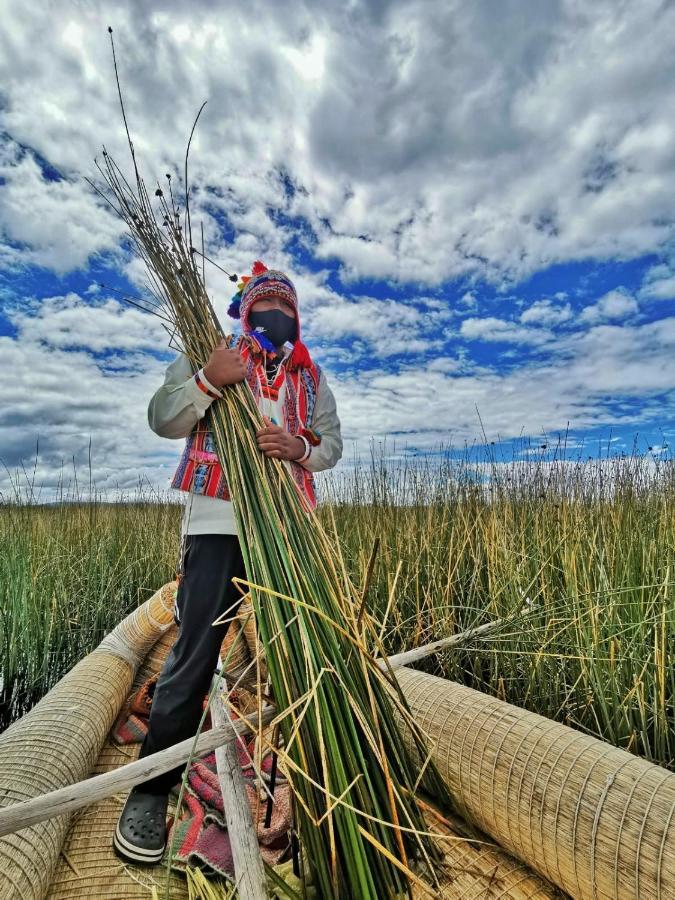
140, 835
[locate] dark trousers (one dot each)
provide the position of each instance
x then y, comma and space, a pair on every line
205, 592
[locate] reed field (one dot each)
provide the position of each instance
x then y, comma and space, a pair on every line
585, 549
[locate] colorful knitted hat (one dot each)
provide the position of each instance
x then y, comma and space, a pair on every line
264, 282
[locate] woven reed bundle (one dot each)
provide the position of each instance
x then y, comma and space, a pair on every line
241, 643
58, 741
136, 635
593, 819
88, 866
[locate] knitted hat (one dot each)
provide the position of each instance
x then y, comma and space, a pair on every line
264, 282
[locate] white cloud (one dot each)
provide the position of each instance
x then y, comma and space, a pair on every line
658, 283
55, 389
78, 372
609, 374
424, 140
69, 322
617, 304
446, 364
57, 224
543, 312
387, 326
61, 399
468, 299
659, 289
493, 329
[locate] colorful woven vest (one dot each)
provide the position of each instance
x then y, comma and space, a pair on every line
199, 470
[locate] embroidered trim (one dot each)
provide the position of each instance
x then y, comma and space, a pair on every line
204, 456
311, 435
203, 387
198, 470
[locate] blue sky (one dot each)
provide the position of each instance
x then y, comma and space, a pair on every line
476, 207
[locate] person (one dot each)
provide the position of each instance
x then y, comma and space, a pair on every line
302, 428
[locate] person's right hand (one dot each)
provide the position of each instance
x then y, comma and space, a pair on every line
225, 366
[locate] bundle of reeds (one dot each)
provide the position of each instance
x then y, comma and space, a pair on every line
352, 777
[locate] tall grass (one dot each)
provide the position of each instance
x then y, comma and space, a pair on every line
69, 571
591, 544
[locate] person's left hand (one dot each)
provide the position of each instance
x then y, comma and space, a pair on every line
274, 441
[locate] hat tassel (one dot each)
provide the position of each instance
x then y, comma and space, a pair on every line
299, 358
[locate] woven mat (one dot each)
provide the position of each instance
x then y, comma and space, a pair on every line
484, 872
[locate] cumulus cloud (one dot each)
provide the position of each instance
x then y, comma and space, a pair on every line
468, 299
590, 379
388, 326
427, 146
59, 400
659, 289
54, 389
494, 330
617, 304
658, 284
543, 312
435, 139
69, 322
54, 223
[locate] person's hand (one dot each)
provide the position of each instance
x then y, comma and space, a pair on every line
274, 441
225, 366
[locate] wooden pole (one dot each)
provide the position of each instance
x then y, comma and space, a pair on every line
249, 871
411, 656
83, 793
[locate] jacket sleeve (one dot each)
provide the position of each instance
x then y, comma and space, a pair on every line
326, 454
176, 407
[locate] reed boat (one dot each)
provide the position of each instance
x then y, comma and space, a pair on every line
559, 813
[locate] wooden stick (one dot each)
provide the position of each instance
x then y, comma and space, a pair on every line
83, 793
249, 871
411, 656
273, 777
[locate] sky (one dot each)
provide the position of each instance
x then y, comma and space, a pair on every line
475, 202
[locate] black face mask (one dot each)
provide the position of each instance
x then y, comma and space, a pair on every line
275, 325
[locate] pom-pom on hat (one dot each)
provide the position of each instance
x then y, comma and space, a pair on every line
264, 282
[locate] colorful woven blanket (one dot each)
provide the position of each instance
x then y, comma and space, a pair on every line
198, 836
201, 836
